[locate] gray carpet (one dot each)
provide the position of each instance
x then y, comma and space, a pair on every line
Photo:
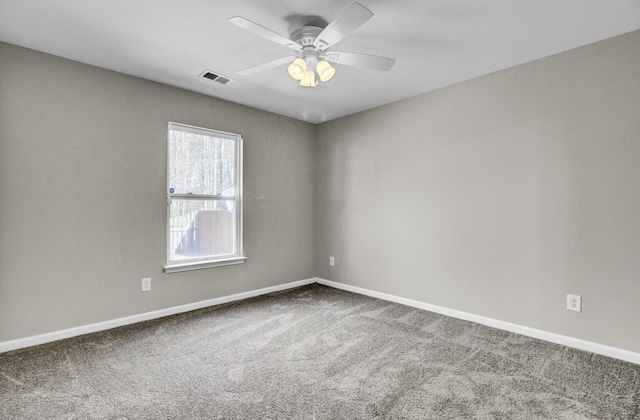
313, 353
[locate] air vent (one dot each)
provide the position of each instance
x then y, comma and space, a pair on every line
208, 74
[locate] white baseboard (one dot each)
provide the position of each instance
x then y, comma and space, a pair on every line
106, 325
588, 346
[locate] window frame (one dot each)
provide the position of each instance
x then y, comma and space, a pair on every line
208, 261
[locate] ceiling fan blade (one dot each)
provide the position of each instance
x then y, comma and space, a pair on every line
263, 32
266, 66
348, 21
374, 62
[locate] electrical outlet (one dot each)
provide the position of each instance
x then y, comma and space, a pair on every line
574, 303
146, 285
332, 261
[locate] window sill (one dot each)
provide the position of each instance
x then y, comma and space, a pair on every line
187, 266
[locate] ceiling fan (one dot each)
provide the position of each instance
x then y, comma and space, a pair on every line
311, 46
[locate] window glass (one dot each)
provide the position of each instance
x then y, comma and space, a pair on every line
201, 228
204, 197
201, 164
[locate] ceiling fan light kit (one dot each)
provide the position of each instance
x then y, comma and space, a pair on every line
309, 79
302, 69
325, 71
311, 45
297, 68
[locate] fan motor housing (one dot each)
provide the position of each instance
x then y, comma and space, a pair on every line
306, 35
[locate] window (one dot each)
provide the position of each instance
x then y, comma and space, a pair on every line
204, 205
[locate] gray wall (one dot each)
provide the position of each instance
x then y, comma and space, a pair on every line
498, 196
83, 192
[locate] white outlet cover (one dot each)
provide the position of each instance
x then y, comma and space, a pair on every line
146, 285
574, 303
332, 261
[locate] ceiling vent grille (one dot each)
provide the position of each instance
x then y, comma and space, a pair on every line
208, 74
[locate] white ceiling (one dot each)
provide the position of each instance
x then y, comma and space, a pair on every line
435, 42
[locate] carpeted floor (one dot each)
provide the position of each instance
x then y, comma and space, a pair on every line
313, 353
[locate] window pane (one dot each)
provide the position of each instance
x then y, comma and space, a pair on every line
201, 164
201, 228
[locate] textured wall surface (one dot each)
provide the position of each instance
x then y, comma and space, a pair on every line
498, 196
83, 191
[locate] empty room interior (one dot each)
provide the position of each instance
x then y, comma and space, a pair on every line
427, 209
